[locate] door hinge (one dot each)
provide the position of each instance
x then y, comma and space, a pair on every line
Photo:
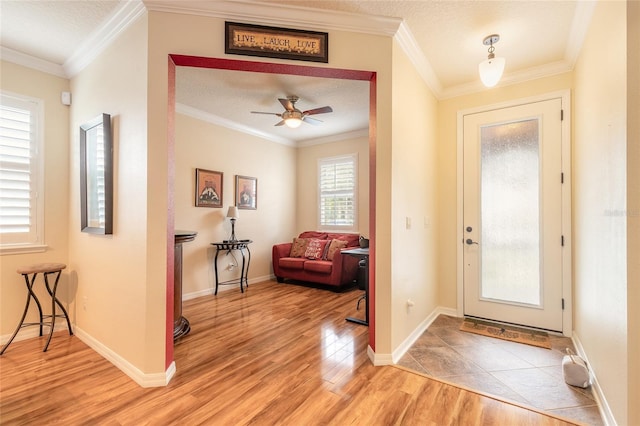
562, 240
561, 115
562, 177
563, 304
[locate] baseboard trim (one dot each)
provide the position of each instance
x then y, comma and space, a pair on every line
210, 291
34, 331
601, 400
145, 380
421, 328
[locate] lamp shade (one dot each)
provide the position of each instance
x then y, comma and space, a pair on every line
232, 212
293, 122
292, 119
491, 71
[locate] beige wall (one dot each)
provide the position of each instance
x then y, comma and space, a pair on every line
633, 207
115, 306
414, 266
600, 202
36, 84
207, 146
448, 173
193, 35
307, 181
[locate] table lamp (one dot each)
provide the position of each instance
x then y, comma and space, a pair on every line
232, 214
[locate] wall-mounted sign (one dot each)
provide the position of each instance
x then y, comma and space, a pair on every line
272, 42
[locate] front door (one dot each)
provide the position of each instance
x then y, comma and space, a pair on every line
512, 215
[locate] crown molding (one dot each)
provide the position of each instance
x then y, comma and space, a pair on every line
410, 46
207, 117
198, 114
509, 79
356, 134
262, 13
32, 62
125, 15
578, 31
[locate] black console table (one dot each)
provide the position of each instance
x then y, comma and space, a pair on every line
362, 254
229, 246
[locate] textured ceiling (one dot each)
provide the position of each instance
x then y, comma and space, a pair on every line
450, 32
51, 30
442, 37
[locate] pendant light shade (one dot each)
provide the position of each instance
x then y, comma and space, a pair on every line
491, 70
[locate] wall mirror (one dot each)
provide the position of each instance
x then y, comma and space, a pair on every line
96, 176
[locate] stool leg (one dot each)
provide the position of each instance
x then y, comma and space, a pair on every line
64, 311
35, 298
26, 309
54, 300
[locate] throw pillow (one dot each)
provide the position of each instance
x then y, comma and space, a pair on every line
334, 246
298, 247
315, 249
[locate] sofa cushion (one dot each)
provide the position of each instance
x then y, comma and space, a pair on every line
316, 248
314, 234
322, 266
298, 247
334, 246
292, 262
351, 239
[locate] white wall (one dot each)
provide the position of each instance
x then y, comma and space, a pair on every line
202, 36
307, 181
633, 207
414, 267
115, 307
447, 167
13, 292
600, 203
203, 145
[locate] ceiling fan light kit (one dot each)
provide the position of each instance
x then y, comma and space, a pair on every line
491, 70
292, 117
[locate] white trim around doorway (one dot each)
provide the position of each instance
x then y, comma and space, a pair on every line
567, 288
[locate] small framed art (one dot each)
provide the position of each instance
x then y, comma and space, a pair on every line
208, 188
246, 192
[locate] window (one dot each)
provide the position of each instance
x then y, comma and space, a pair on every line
337, 180
21, 170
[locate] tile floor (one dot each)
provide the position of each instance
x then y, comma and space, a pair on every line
518, 372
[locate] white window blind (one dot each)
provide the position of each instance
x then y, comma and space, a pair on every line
337, 192
20, 171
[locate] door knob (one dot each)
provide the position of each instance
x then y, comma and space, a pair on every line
469, 241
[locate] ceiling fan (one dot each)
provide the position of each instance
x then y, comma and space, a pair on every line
292, 116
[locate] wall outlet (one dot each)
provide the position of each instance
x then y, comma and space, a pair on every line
85, 300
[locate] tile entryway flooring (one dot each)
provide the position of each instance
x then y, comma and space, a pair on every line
515, 371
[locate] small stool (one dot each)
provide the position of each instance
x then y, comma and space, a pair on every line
46, 269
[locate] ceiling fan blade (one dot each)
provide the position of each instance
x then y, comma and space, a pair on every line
321, 110
268, 113
280, 123
313, 121
287, 104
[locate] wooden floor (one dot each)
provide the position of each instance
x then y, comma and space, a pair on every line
277, 354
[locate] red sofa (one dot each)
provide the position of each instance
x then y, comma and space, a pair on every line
329, 268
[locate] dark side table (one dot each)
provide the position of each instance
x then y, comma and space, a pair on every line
362, 254
242, 246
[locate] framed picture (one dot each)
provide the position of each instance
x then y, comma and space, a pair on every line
246, 192
274, 42
208, 188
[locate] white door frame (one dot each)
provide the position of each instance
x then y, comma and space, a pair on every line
567, 287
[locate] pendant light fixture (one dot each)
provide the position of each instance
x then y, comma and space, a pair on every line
491, 70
